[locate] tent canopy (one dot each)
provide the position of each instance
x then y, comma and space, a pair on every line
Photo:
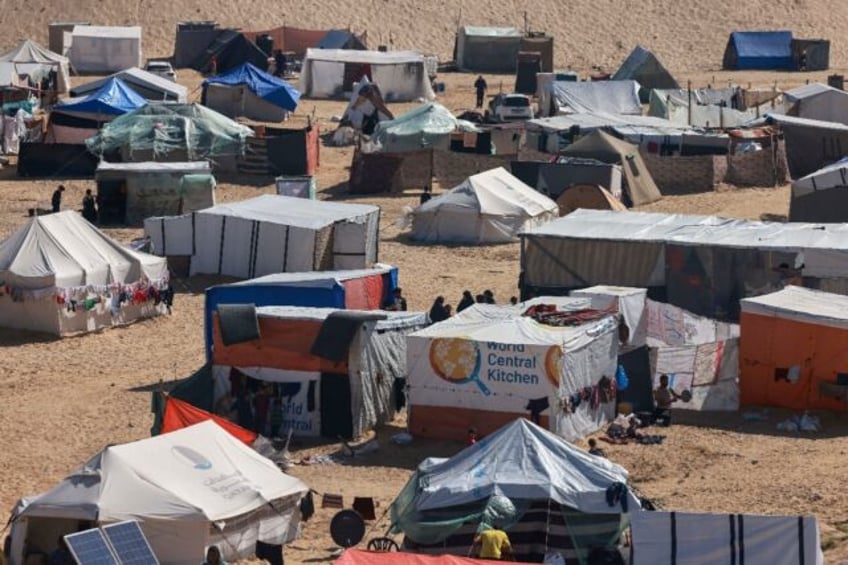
63, 250
163, 128
832, 176
424, 127
487, 207
30, 58
151, 86
612, 97
113, 98
640, 186
801, 305
266, 86
764, 50
644, 67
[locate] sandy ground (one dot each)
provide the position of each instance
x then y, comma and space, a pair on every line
63, 400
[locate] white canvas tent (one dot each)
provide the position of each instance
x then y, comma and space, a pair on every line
189, 489
150, 86
103, 49
817, 102
821, 196
611, 97
270, 234
402, 75
31, 59
489, 207
490, 364
67, 276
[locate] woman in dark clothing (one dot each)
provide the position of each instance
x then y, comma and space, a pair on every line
467, 300
89, 207
438, 312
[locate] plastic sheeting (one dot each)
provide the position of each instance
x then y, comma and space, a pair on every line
687, 538
817, 102
112, 99
425, 127
153, 87
644, 67
759, 50
101, 49
801, 305
30, 58
264, 85
611, 97
489, 207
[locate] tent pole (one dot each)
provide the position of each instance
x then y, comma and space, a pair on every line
689, 93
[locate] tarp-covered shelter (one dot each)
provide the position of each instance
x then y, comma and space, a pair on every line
163, 131
163, 482
297, 40
811, 54
792, 350
608, 96
63, 275
230, 49
821, 196
490, 364
489, 207
759, 50
355, 289
553, 179
705, 539
270, 234
341, 39
588, 196
548, 496
192, 39
246, 91
709, 108
810, 144
817, 102
335, 370
331, 73
34, 61
74, 120
429, 126
487, 49
366, 108
644, 67
103, 49
704, 264
639, 186
130, 192
150, 86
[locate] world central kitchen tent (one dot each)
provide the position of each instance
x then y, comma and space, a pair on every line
63, 275
330, 73
270, 234
549, 497
491, 364
188, 489
249, 92
489, 207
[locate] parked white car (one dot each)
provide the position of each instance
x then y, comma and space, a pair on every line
510, 107
162, 69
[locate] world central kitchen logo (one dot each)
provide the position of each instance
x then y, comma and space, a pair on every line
461, 361
191, 458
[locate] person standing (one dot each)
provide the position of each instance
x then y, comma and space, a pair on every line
439, 312
396, 302
480, 87
56, 200
89, 207
494, 544
467, 301
664, 397
279, 63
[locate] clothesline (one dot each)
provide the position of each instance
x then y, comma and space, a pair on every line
79, 293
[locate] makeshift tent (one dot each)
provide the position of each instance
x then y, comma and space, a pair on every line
179, 414
76, 119
810, 144
713, 108
230, 49
330, 73
168, 484
270, 234
644, 67
56, 33
246, 91
759, 50
425, 127
706, 539
487, 49
192, 39
821, 196
362, 557
341, 39
704, 264
553, 179
489, 207
171, 132
362, 289
549, 496
63, 275
491, 364
150, 86
639, 187
34, 61
817, 102
811, 54
792, 352
610, 97
297, 40
100, 49
290, 151
366, 107
588, 196
336, 370
130, 192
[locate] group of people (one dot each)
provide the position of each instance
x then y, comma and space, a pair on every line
89, 203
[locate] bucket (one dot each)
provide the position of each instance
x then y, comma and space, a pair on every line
625, 408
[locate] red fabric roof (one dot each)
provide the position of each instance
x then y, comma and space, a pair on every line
179, 414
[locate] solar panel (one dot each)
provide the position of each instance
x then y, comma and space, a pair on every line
90, 548
129, 544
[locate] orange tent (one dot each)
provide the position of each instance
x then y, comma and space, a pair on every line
360, 557
179, 414
792, 349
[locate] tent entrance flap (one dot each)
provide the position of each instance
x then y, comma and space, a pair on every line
336, 411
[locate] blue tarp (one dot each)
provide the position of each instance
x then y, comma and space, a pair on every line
316, 290
114, 98
763, 50
266, 86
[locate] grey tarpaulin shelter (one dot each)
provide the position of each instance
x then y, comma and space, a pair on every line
150, 86
548, 495
644, 67
487, 49
609, 96
817, 102
821, 196
810, 144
